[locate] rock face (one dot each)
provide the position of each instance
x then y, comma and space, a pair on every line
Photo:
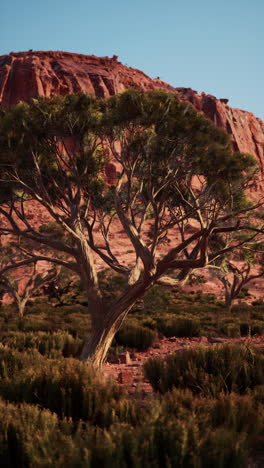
27, 75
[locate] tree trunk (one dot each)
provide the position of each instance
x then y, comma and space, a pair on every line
229, 297
103, 331
228, 301
107, 321
21, 305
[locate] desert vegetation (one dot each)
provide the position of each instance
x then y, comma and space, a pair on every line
207, 404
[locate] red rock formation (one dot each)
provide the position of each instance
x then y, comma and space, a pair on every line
31, 74
246, 130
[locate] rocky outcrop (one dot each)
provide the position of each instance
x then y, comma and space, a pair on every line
27, 75
246, 130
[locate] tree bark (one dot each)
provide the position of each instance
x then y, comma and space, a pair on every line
106, 322
21, 305
99, 341
228, 301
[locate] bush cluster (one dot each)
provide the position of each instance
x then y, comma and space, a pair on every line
178, 430
48, 344
13, 362
180, 327
208, 409
66, 387
208, 371
136, 337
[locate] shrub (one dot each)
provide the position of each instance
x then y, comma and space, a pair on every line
48, 344
231, 330
255, 328
180, 327
13, 362
177, 430
258, 302
243, 293
140, 338
71, 389
238, 413
222, 448
30, 437
208, 371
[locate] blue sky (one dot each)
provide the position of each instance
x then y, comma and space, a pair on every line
214, 46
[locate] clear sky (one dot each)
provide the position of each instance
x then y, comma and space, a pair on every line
214, 46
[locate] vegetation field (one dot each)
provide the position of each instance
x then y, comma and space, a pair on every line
207, 404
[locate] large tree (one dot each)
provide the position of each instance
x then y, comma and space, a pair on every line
178, 184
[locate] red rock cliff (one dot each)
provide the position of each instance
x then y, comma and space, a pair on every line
31, 74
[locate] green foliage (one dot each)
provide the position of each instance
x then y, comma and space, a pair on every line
136, 337
176, 136
42, 317
48, 344
111, 284
180, 327
12, 361
161, 308
68, 388
89, 421
231, 330
178, 430
31, 437
55, 231
38, 130
208, 371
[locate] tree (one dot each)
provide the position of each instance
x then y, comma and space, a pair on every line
12, 260
173, 168
237, 268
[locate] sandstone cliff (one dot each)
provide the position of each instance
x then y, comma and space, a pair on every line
31, 74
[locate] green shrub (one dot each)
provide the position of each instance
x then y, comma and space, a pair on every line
208, 371
177, 430
48, 344
137, 337
222, 448
238, 413
257, 328
180, 327
30, 437
258, 302
68, 388
13, 362
158, 298
254, 328
231, 330
95, 424
244, 293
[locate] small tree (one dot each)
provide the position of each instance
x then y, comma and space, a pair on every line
22, 288
173, 168
239, 268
